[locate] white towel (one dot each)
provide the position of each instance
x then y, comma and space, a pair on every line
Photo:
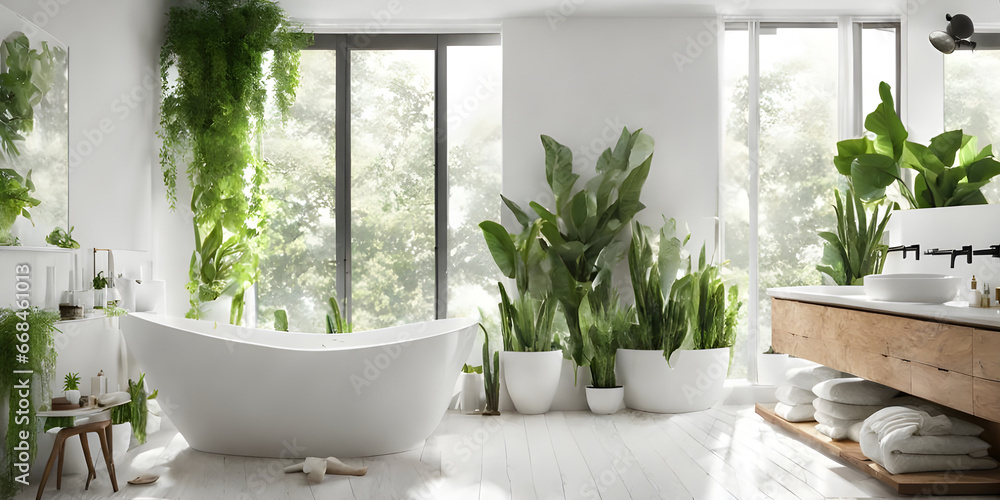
791, 395
854, 391
892, 437
808, 376
852, 432
845, 411
800, 413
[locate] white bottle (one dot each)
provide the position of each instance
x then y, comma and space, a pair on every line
975, 297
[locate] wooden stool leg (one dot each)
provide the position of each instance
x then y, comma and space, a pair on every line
91, 473
60, 438
108, 459
111, 452
62, 455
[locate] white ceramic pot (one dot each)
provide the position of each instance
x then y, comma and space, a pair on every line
605, 400
217, 310
771, 368
73, 396
472, 387
693, 381
532, 379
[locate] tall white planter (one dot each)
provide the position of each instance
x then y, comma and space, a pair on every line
693, 381
532, 379
472, 388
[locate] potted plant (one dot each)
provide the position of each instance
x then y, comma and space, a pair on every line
644, 363
472, 386
491, 376
856, 249
71, 387
604, 322
531, 366
15, 200
771, 367
100, 290
61, 238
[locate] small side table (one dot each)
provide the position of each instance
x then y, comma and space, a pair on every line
103, 430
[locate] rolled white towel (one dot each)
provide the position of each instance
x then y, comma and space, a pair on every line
854, 391
807, 377
794, 396
845, 411
837, 428
797, 413
113, 398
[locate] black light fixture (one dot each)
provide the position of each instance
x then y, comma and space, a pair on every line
956, 34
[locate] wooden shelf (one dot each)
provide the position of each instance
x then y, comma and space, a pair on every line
923, 483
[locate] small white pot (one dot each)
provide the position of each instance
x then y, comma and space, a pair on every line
532, 379
73, 396
605, 400
693, 381
472, 387
771, 368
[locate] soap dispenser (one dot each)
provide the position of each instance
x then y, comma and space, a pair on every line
975, 297
986, 297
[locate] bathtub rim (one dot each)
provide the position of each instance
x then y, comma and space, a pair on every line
371, 338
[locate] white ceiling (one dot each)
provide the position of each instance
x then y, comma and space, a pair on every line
360, 11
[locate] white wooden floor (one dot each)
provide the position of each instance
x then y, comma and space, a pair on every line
723, 453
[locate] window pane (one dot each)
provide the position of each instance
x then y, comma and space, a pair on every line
970, 100
298, 258
474, 154
798, 131
735, 172
392, 187
878, 46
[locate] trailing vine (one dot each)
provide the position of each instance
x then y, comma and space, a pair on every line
41, 360
211, 109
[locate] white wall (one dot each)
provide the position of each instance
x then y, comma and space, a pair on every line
114, 85
580, 80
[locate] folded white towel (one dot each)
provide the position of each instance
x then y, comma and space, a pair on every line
854, 391
113, 398
845, 411
852, 433
808, 376
799, 413
794, 396
827, 419
907, 440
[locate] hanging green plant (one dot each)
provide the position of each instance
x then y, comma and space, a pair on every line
208, 117
15, 200
62, 238
38, 356
27, 78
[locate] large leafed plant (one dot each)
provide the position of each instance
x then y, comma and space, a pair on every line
15, 200
874, 164
27, 78
212, 66
855, 250
578, 236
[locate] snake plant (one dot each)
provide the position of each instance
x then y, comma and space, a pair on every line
856, 249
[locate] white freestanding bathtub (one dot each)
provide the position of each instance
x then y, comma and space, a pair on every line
251, 392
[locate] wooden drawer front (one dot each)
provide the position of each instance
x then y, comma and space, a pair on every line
797, 318
986, 354
860, 330
935, 344
880, 368
987, 399
826, 353
949, 388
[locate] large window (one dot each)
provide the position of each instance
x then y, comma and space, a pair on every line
789, 94
971, 96
389, 160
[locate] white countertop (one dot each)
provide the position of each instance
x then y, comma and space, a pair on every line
854, 297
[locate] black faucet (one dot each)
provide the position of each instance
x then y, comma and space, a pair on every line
907, 248
966, 250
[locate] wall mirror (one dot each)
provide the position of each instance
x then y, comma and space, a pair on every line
34, 132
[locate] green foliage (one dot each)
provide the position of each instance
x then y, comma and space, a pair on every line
114, 311
491, 376
713, 311
467, 368
208, 116
526, 322
662, 316
580, 236
22, 86
15, 200
520, 256
100, 282
872, 165
281, 320
71, 382
135, 411
336, 323
62, 238
604, 322
856, 249
42, 361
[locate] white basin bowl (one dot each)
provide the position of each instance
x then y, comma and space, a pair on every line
924, 288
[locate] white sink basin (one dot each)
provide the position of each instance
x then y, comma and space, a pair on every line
924, 288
